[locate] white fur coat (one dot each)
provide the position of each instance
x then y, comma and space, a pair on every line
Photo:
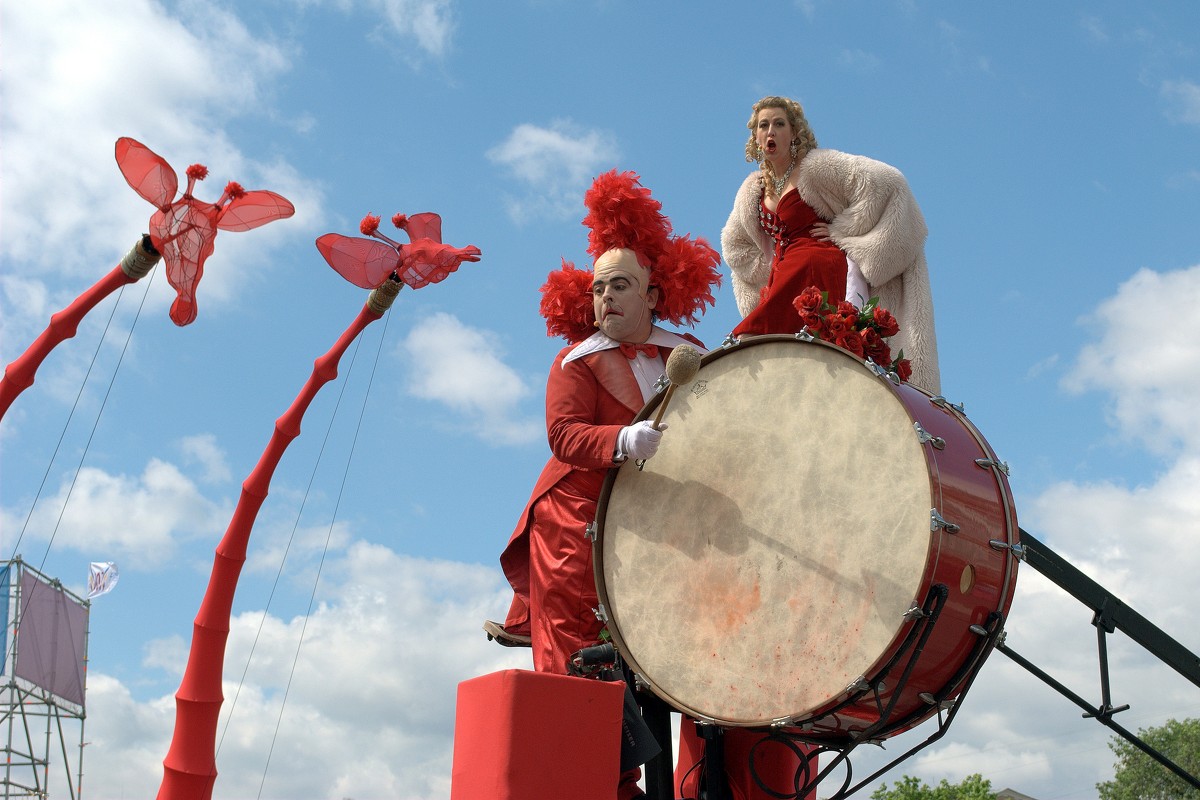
874, 218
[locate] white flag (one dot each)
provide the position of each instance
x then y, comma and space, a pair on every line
102, 578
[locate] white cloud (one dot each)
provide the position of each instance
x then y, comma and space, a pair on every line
859, 59
555, 163
430, 23
202, 449
1184, 97
1151, 370
370, 708
463, 368
1094, 28
77, 77
138, 521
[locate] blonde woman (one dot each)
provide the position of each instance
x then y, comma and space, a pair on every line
846, 224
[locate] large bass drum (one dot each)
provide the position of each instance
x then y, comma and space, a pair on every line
813, 546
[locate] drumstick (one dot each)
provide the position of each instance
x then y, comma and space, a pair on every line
682, 366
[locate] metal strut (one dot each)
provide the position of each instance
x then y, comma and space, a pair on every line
1110, 615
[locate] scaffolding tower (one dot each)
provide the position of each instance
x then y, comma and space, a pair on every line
43, 666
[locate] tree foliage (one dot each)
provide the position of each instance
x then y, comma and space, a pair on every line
973, 787
1139, 777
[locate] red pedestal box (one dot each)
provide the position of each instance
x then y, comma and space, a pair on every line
521, 735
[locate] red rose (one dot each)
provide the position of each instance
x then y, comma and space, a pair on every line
885, 322
837, 326
852, 342
808, 300
875, 348
847, 309
903, 369
812, 321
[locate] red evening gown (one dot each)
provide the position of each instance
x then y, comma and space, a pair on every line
800, 261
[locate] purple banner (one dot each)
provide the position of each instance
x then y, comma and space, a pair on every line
51, 639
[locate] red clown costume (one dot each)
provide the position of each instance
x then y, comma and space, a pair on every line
596, 386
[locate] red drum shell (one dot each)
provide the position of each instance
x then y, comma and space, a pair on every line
761, 569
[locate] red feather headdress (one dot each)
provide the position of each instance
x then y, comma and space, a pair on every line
622, 214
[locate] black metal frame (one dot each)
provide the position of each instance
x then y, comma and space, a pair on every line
1110, 615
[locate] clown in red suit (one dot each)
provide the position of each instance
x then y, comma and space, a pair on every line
594, 391
597, 385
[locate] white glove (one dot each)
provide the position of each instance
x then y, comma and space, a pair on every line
639, 441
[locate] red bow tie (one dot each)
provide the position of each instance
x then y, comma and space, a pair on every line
630, 350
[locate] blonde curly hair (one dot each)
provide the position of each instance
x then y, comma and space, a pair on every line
803, 136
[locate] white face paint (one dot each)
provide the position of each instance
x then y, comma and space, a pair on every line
621, 296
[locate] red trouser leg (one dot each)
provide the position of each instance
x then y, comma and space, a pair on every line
562, 586
562, 590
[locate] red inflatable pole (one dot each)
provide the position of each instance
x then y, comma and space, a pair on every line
190, 769
18, 376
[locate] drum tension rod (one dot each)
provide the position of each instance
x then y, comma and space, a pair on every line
936, 520
924, 436
882, 372
988, 463
942, 402
1018, 550
916, 612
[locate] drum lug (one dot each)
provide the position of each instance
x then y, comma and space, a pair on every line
662, 383
988, 463
859, 686
925, 437
929, 700
803, 335
601, 613
942, 402
916, 612
590, 531
979, 630
729, 341
1017, 550
936, 521
882, 372
783, 722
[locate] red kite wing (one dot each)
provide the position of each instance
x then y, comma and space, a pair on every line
364, 262
147, 172
426, 225
253, 209
426, 262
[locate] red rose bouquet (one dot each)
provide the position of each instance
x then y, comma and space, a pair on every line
861, 331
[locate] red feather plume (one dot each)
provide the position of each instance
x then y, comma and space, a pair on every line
622, 214
567, 303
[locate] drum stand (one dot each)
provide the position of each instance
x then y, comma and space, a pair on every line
647, 717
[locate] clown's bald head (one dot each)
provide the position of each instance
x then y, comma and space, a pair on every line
622, 297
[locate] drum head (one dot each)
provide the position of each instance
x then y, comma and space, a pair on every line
764, 559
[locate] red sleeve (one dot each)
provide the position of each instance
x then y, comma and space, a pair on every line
576, 411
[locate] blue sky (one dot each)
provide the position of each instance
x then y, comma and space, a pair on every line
1054, 149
